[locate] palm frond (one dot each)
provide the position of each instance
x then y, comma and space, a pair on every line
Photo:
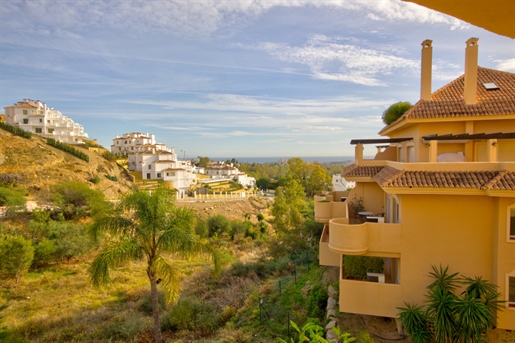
170, 276
113, 256
442, 279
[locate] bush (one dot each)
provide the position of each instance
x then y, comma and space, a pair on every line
317, 302
201, 228
357, 267
16, 255
95, 179
67, 148
193, 315
218, 224
76, 199
10, 197
16, 130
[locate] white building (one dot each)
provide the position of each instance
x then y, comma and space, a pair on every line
155, 161
132, 142
34, 116
221, 170
245, 180
340, 184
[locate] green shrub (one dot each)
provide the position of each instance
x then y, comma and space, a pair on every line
111, 177
201, 228
357, 267
124, 327
193, 315
68, 148
317, 302
11, 197
218, 224
16, 130
16, 255
95, 180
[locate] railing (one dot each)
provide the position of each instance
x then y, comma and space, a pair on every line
326, 257
370, 298
347, 239
329, 206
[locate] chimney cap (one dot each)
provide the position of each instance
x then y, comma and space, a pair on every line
427, 43
472, 41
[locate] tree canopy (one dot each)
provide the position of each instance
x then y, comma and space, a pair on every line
395, 111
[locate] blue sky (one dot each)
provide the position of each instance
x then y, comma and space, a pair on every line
231, 78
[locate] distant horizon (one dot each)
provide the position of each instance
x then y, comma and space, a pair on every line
271, 159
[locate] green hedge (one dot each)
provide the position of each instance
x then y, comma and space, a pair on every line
67, 148
16, 130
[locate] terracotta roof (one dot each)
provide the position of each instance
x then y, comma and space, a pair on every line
23, 105
496, 180
448, 101
355, 170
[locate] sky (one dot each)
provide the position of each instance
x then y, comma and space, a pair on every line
231, 78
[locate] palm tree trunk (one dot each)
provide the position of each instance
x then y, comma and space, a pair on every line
155, 309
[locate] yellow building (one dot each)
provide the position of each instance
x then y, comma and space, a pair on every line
440, 191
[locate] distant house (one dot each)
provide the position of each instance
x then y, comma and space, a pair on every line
221, 170
441, 191
132, 142
245, 180
34, 116
341, 185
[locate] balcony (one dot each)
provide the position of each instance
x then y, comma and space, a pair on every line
368, 238
370, 298
332, 205
326, 257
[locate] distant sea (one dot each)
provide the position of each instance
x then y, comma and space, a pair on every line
321, 159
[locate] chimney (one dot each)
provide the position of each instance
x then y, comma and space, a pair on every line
426, 66
471, 71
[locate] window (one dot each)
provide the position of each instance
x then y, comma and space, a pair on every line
149, 166
38, 130
25, 121
48, 121
511, 223
511, 290
158, 175
40, 120
148, 175
25, 112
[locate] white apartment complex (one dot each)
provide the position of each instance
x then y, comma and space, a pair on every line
154, 160
132, 142
34, 116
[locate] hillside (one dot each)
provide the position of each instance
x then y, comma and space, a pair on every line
36, 167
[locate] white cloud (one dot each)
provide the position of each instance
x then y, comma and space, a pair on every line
340, 60
195, 18
506, 65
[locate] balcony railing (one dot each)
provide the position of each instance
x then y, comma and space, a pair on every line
332, 205
370, 298
326, 257
347, 239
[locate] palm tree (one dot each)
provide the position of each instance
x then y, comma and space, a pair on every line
144, 226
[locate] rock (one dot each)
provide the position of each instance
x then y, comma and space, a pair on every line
331, 303
330, 325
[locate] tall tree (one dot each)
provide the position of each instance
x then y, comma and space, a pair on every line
145, 226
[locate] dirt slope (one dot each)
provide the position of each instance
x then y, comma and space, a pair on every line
36, 166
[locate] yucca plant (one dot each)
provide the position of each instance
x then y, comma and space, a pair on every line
414, 319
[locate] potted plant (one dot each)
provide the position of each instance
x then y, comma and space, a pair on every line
356, 205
